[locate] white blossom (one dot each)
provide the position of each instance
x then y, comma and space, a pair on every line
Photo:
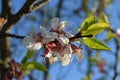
118, 31
30, 43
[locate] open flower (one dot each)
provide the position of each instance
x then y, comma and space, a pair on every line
56, 41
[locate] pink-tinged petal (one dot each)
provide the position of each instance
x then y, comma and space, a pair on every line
54, 23
51, 46
63, 24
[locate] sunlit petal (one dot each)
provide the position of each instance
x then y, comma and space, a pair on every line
63, 40
65, 59
29, 43
54, 23
63, 24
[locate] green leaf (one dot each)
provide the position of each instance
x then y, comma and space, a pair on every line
96, 28
103, 19
28, 56
35, 65
86, 23
110, 36
95, 44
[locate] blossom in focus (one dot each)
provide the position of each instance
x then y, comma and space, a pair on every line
56, 43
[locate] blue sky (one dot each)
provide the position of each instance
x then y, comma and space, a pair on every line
76, 70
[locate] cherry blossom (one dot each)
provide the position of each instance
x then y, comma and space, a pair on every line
55, 41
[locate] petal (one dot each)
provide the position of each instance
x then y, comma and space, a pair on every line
36, 46
51, 35
63, 24
67, 50
47, 40
43, 31
63, 40
66, 59
48, 55
55, 59
29, 43
118, 31
54, 23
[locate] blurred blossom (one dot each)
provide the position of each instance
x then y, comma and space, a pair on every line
118, 35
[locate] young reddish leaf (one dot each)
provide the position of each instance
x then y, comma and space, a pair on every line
95, 44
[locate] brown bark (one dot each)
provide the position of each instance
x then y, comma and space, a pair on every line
4, 55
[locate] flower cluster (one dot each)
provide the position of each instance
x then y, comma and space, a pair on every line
56, 42
15, 71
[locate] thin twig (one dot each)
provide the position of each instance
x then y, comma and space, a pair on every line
39, 4
27, 8
59, 8
14, 36
116, 60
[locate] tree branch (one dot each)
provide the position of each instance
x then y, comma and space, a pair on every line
39, 4
14, 36
59, 8
27, 8
15, 18
6, 13
4, 35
